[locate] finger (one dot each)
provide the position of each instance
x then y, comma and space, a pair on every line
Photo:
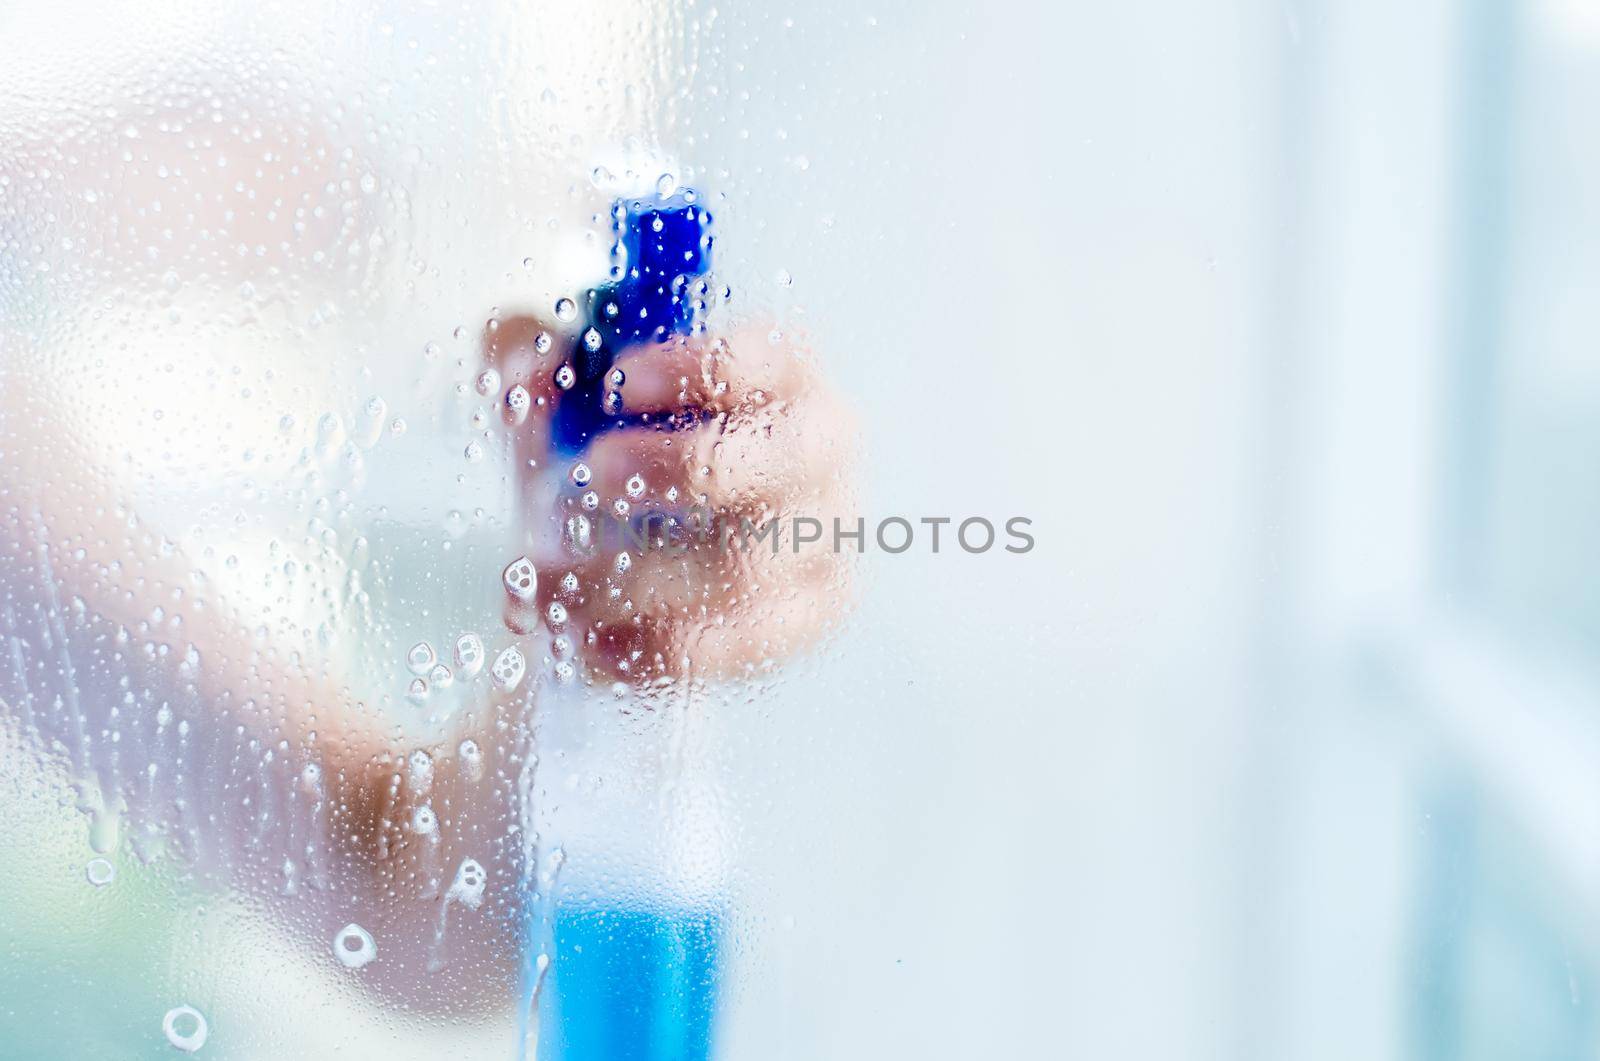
728, 374
696, 615
782, 455
521, 349
768, 459
644, 465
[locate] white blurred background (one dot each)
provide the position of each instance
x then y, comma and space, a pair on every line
1279, 319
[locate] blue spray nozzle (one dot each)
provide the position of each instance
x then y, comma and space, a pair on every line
663, 244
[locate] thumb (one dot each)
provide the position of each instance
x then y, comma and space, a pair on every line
523, 352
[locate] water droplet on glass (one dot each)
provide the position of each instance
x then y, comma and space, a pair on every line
185, 1028
469, 654
467, 888
566, 309
354, 946
578, 535
420, 771
521, 580
509, 668
100, 872
471, 759
420, 657
518, 402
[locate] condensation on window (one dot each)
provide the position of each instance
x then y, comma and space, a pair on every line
362, 375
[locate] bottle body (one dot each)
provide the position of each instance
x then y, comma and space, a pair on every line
631, 896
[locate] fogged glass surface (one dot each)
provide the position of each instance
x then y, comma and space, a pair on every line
303, 760
299, 765
330, 724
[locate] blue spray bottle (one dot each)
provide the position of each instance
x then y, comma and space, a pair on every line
665, 246
634, 962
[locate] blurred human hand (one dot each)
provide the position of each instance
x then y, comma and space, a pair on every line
736, 428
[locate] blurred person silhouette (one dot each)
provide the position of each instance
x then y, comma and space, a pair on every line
178, 710
337, 794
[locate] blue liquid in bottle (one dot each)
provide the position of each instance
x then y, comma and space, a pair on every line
630, 985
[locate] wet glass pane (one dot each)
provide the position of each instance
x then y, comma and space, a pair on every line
652, 529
